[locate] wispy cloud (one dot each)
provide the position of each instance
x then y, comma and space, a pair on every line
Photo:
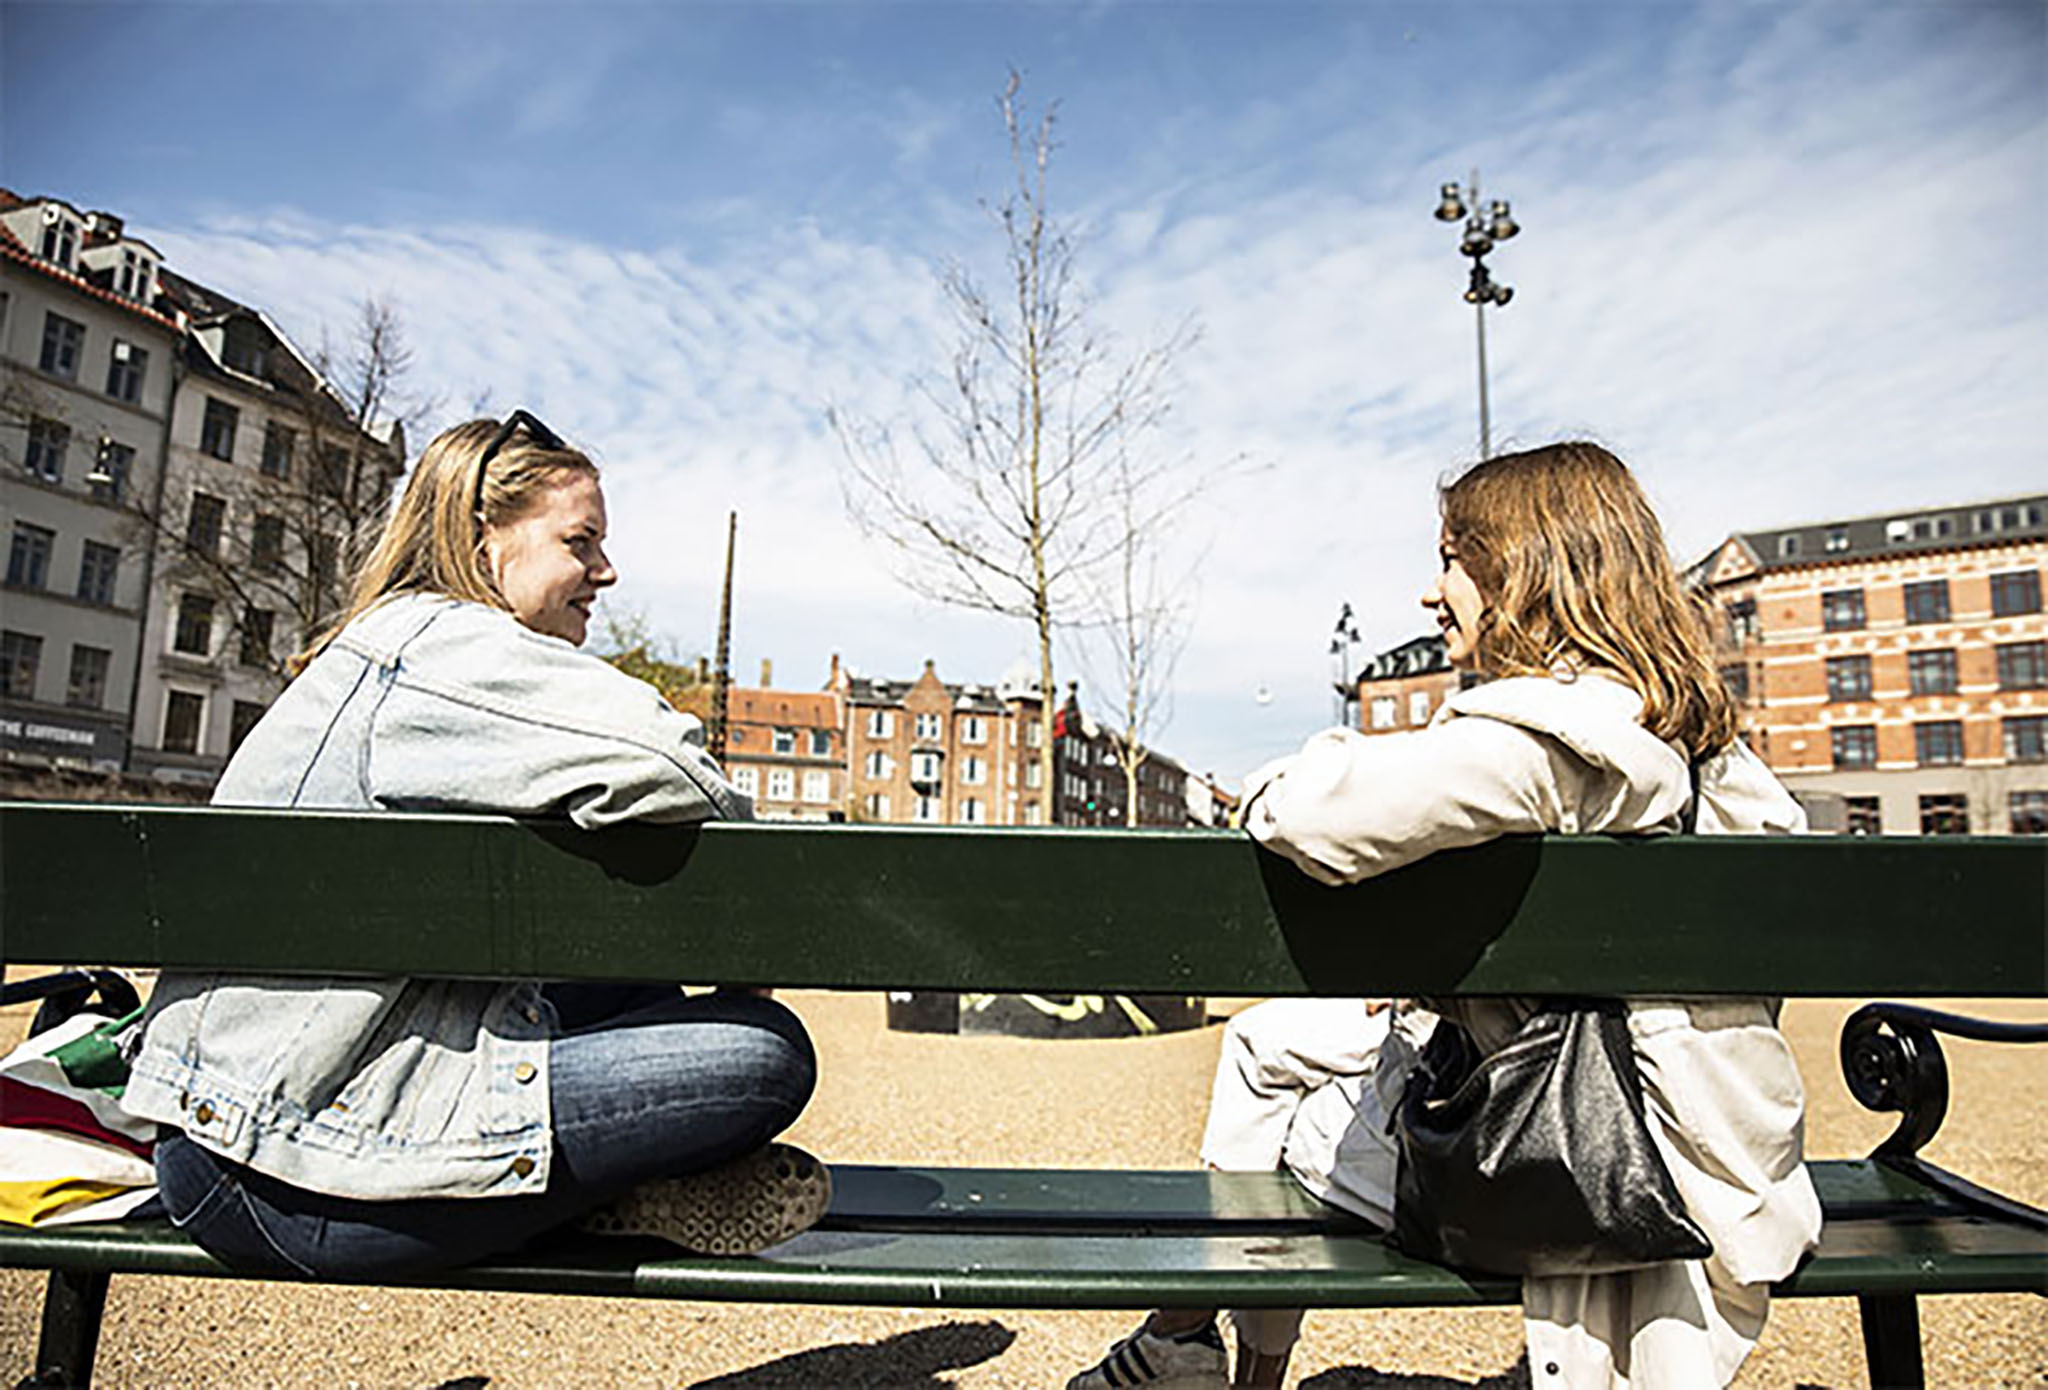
1778, 261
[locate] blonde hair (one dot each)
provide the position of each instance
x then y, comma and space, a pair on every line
1572, 564
433, 541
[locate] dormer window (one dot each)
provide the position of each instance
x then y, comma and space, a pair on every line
60, 236
245, 348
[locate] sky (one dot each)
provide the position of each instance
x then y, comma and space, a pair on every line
1783, 258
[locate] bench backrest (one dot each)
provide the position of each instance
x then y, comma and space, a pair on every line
856, 907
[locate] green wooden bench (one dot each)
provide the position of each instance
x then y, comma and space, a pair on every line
874, 908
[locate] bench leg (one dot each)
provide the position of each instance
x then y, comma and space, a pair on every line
72, 1305
1891, 1340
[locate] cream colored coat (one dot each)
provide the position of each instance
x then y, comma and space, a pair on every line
1533, 754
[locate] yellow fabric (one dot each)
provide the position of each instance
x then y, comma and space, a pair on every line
38, 1200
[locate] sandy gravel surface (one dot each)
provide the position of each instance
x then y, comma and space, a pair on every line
905, 1098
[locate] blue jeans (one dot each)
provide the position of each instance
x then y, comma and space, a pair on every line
644, 1083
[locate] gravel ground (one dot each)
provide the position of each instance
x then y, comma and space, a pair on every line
890, 1097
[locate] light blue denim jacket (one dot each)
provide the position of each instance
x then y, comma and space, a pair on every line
403, 1087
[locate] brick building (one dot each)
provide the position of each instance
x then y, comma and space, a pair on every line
926, 752
1893, 669
1402, 687
787, 750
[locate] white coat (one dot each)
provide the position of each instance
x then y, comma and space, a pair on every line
1520, 755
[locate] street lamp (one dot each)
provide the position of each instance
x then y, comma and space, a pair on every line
1486, 225
1343, 672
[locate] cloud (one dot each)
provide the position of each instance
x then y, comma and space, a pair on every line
1780, 262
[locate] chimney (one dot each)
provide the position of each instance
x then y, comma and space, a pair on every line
832, 681
767, 673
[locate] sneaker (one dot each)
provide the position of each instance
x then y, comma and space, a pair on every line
757, 1200
1188, 1361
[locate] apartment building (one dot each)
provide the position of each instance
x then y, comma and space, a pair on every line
88, 354
1094, 788
787, 750
183, 490
927, 752
1893, 669
1402, 687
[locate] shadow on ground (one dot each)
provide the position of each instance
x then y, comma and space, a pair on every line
1515, 1377
910, 1360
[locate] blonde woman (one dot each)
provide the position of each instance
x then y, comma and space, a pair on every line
1597, 692
373, 1128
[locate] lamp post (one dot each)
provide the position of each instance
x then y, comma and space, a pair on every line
1343, 673
1485, 226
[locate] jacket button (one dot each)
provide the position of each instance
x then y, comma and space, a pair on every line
525, 1072
204, 1112
522, 1167
1550, 1368
532, 1014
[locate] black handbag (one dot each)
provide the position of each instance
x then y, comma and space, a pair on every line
1536, 1159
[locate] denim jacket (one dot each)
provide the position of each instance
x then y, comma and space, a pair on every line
400, 1087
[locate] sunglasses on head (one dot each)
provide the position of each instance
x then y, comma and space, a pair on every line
536, 431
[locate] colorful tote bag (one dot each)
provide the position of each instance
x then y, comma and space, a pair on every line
68, 1152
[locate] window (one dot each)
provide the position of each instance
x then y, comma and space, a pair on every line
2016, 592
881, 723
821, 743
1945, 813
324, 562
927, 809
924, 767
929, 726
877, 805
184, 712
63, 339
2029, 812
1033, 776
278, 443
746, 779
1838, 539
973, 771
818, 787
194, 633
1938, 742
241, 719
785, 740
1841, 610
115, 461
1736, 678
970, 811
245, 347
88, 687
1033, 813
97, 566
781, 784
973, 729
332, 477
266, 545
126, 366
21, 656
47, 441
2026, 738
1855, 745
60, 237
1742, 621
257, 626
1932, 672
1384, 709
2022, 665
203, 523
1788, 545
1848, 678
1927, 602
1033, 733
1860, 816
28, 556
217, 430
877, 765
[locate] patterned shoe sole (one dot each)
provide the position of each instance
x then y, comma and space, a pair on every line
755, 1201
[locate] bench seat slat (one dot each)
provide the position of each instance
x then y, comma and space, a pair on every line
893, 1239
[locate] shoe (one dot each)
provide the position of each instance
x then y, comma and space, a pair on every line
1189, 1361
755, 1201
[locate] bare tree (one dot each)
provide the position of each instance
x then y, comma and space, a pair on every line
1141, 608
998, 496
313, 506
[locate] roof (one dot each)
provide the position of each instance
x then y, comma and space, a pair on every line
807, 709
1419, 656
975, 699
1962, 526
12, 249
